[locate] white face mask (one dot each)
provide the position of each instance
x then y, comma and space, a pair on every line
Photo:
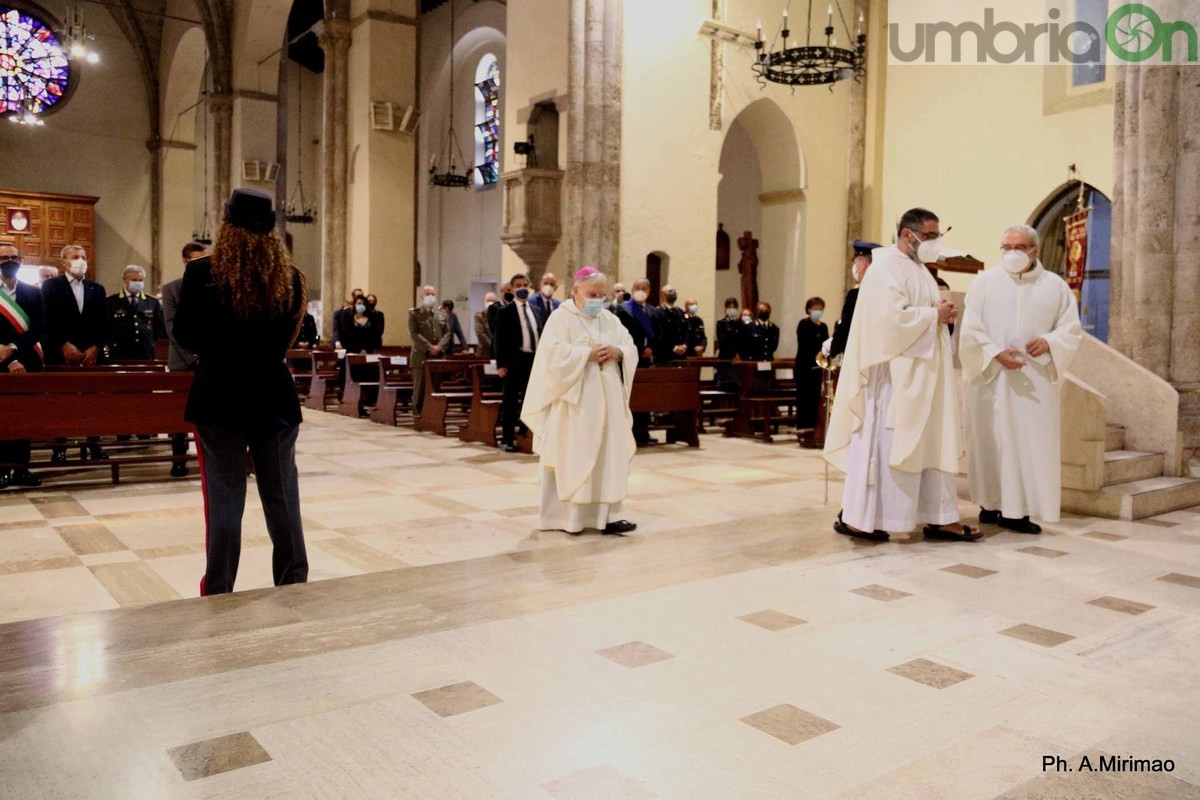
547, 291
639, 296
430, 301
1015, 261
78, 267
488, 303
731, 313
693, 308
929, 251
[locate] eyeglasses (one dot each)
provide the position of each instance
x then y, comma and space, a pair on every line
1023, 248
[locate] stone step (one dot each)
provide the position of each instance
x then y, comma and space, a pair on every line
1136, 499
1123, 466
1114, 439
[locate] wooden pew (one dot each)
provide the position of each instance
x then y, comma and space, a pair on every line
674, 391
299, 363
718, 397
109, 367
46, 407
487, 394
761, 396
395, 390
447, 394
360, 384
325, 383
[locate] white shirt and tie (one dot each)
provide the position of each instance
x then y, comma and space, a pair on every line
529, 334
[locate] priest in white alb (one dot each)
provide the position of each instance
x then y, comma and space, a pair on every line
895, 424
577, 406
1020, 332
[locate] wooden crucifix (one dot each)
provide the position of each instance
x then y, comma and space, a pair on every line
748, 268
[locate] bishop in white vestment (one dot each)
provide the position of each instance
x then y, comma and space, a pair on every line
577, 406
895, 426
1020, 332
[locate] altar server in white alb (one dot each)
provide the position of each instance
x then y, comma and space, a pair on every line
1020, 332
577, 406
894, 430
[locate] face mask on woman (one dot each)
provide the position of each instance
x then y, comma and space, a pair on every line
731, 313
816, 315
360, 308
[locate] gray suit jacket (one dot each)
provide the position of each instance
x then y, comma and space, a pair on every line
178, 359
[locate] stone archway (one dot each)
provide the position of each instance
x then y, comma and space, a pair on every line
180, 158
763, 178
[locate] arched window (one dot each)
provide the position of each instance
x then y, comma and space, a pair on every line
35, 73
487, 122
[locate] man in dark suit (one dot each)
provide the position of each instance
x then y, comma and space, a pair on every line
22, 320
518, 328
178, 359
543, 302
841, 330
643, 321
493, 312
76, 324
135, 319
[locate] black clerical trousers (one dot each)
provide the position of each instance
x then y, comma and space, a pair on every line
515, 382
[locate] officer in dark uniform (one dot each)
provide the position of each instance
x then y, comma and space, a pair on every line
841, 331
762, 336
672, 342
135, 319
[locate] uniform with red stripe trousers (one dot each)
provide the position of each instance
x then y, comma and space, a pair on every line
239, 312
22, 323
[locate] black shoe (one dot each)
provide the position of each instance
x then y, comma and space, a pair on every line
5, 479
59, 456
619, 528
510, 448
179, 470
23, 477
988, 517
846, 530
1022, 525
938, 532
96, 453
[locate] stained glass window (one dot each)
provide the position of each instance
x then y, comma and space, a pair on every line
487, 119
34, 71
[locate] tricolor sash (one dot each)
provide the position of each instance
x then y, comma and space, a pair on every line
17, 318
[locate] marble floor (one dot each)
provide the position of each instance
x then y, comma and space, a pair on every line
733, 648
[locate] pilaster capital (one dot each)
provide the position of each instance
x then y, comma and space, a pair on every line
336, 34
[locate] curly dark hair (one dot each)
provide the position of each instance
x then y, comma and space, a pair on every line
253, 271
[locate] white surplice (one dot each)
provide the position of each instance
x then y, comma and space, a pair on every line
895, 425
578, 411
1014, 416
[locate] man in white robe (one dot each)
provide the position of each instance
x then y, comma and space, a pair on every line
577, 406
895, 427
1020, 333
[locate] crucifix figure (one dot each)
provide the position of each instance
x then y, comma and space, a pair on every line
748, 267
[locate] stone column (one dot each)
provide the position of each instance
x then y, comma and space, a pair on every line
220, 109
335, 40
594, 138
855, 201
1155, 303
